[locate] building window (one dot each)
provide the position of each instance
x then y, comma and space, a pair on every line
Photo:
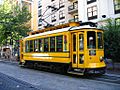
61, 14
117, 6
61, 3
117, 21
92, 12
73, 6
53, 18
40, 13
63, 22
76, 19
40, 22
90, 1
53, 5
39, 4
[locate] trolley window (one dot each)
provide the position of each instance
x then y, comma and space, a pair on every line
46, 44
35, 45
81, 42
27, 46
91, 40
65, 42
59, 43
40, 45
74, 42
31, 46
100, 40
52, 44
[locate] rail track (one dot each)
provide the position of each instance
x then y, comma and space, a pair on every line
111, 78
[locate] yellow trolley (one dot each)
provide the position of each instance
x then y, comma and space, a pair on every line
73, 48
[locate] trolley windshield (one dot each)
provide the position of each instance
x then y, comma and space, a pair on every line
94, 41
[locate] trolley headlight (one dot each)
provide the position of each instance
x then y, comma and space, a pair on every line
101, 58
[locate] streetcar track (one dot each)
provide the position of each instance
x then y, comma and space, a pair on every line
107, 78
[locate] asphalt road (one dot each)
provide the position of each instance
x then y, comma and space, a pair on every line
10, 83
35, 79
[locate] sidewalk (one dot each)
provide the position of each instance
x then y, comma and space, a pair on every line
113, 69
11, 60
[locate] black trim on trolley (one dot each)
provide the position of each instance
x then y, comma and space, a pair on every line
92, 24
84, 28
46, 62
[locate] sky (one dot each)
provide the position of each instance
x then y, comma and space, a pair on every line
1, 1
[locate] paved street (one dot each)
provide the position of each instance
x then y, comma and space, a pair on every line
29, 79
9, 83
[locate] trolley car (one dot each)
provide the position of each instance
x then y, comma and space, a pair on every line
73, 48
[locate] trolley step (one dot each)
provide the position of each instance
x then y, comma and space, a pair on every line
76, 73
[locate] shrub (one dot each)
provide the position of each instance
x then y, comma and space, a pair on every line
112, 40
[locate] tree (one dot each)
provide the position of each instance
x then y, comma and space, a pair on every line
13, 22
112, 40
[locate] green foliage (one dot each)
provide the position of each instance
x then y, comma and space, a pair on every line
112, 40
13, 22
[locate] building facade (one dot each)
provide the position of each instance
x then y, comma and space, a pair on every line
55, 12
99, 10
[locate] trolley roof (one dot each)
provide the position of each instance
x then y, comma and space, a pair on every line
55, 28
61, 30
